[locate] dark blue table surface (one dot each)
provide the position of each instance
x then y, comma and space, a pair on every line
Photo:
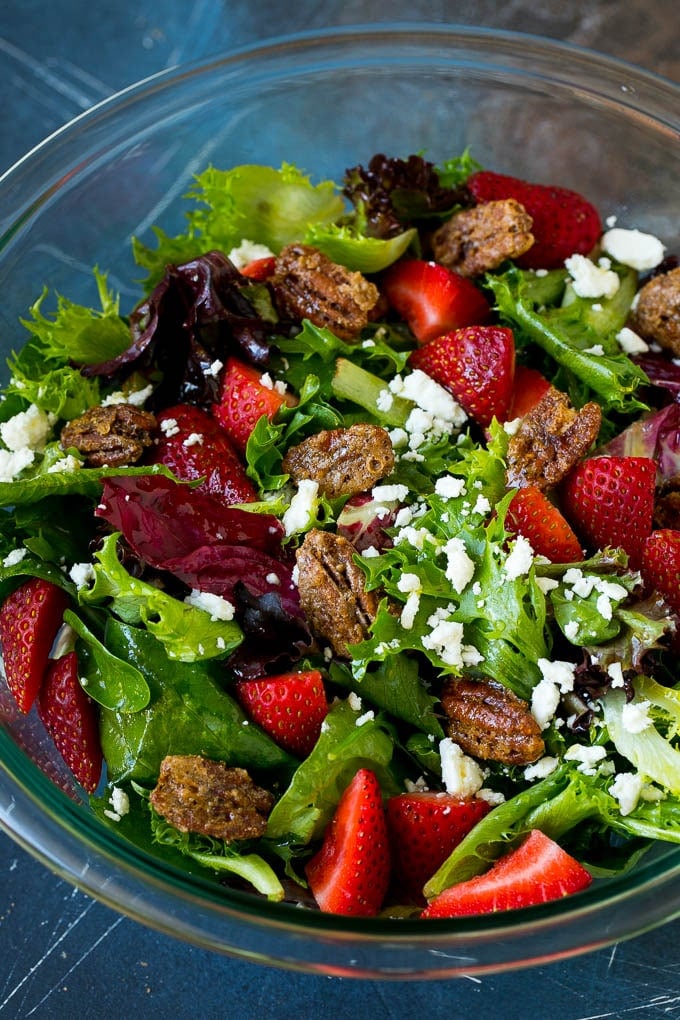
65, 955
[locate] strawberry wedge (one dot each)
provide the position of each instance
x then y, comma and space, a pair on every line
539, 870
29, 620
433, 299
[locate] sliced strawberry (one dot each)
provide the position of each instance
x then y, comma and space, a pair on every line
529, 388
244, 398
537, 871
29, 620
194, 445
290, 707
351, 871
433, 299
477, 365
424, 828
70, 717
564, 222
532, 515
661, 565
260, 269
363, 520
610, 502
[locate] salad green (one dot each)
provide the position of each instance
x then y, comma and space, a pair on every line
459, 594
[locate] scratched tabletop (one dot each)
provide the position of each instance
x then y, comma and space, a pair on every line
63, 954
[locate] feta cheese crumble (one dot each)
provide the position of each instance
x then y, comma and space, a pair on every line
216, 606
461, 775
302, 506
590, 280
633, 248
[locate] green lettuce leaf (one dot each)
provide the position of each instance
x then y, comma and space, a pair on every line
186, 632
307, 806
344, 245
189, 713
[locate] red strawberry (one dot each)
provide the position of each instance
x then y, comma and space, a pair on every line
351, 871
244, 398
194, 445
661, 565
610, 502
433, 299
29, 620
532, 515
529, 388
70, 718
424, 828
564, 222
477, 365
289, 707
260, 269
537, 871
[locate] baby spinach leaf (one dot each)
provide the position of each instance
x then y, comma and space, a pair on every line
110, 681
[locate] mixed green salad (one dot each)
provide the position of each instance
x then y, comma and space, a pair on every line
179, 596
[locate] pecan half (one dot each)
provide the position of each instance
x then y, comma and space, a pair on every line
113, 435
489, 722
308, 285
343, 461
552, 437
657, 311
478, 239
333, 594
196, 794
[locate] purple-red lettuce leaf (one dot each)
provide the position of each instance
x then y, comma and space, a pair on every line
274, 639
655, 435
199, 312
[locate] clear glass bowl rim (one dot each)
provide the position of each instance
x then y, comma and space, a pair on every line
29, 801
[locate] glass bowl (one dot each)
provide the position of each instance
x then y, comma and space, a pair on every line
542, 110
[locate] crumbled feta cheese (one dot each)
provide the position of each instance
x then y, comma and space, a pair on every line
547, 584
615, 672
511, 428
216, 606
14, 557
558, 672
120, 804
446, 640
354, 701
482, 506
596, 349
67, 463
408, 583
273, 578
429, 396
589, 280
136, 397
416, 537
635, 716
541, 768
520, 559
587, 756
626, 788
461, 775
571, 630
82, 574
398, 438
169, 427
459, 567
384, 400
630, 342
545, 698
13, 463
390, 493
193, 439
492, 797
420, 785
214, 368
27, 429
303, 504
449, 487
366, 717
410, 610
247, 252
633, 248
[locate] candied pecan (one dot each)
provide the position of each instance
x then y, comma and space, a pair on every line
197, 794
490, 722
333, 594
478, 239
343, 461
308, 285
113, 435
657, 311
667, 506
552, 437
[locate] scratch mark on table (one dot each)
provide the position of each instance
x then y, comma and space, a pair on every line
52, 949
658, 1001
74, 966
